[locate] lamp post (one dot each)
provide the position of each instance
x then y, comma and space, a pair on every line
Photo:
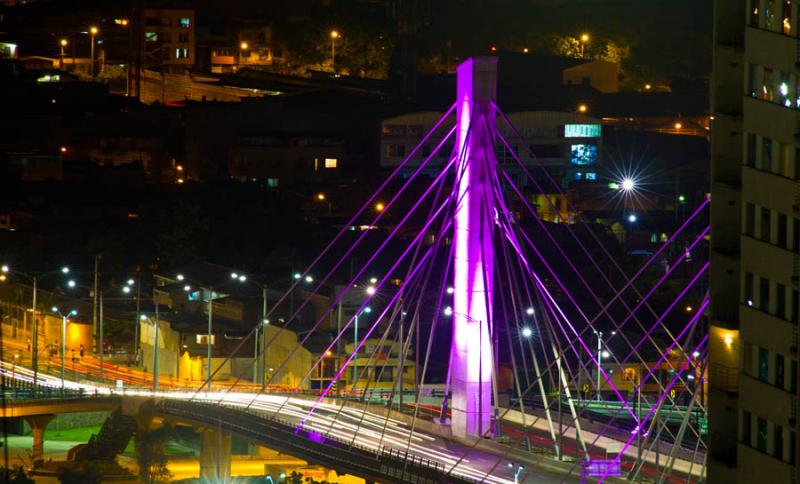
127, 290
584, 40
64, 317
61, 60
600, 355
5, 269
242, 48
366, 310
334, 36
92, 33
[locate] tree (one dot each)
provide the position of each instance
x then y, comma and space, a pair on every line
150, 455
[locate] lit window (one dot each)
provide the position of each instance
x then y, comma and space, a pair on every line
151, 37
591, 176
184, 22
202, 339
578, 176
331, 163
272, 182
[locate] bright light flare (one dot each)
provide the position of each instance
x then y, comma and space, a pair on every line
627, 185
527, 332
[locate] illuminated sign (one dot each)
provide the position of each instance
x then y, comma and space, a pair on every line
581, 130
584, 154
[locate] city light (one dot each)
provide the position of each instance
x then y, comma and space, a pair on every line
63, 42
71, 283
130, 282
297, 275
584, 38
234, 275
448, 311
379, 207
582, 108
605, 354
647, 87
93, 30
126, 289
187, 288
373, 280
370, 290
530, 311
689, 309
309, 279
242, 278
65, 270
696, 354
627, 185
632, 218
320, 196
244, 46
179, 277
4, 268
527, 332
334, 34
367, 309
450, 290
678, 125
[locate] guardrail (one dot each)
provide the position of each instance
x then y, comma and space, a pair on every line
285, 436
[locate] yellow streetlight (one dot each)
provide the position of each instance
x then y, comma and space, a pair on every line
334, 36
379, 207
92, 32
320, 196
243, 46
63, 44
584, 40
582, 108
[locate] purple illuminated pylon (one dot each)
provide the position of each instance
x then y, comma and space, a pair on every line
471, 365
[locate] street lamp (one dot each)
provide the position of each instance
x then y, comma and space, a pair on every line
64, 317
34, 278
61, 61
584, 40
92, 32
334, 36
527, 332
627, 185
242, 49
366, 310
600, 353
262, 342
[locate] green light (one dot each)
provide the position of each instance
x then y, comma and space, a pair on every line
681, 198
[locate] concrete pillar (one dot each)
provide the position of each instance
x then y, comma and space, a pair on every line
471, 352
38, 424
215, 456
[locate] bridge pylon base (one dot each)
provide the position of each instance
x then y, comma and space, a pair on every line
215, 455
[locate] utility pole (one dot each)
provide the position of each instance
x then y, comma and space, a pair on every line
101, 336
155, 347
208, 339
94, 301
35, 338
264, 337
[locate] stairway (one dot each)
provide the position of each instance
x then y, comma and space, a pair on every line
112, 439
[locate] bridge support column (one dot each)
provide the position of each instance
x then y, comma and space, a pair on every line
471, 363
38, 424
215, 456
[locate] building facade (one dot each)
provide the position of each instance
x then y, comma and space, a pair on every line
568, 145
169, 38
755, 158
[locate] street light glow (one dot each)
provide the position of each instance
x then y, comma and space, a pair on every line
65, 270
187, 288
450, 290
334, 34
605, 354
379, 207
632, 218
309, 279
627, 184
93, 30
527, 332
584, 38
373, 280
130, 282
54, 309
297, 275
530, 311
242, 278
448, 311
367, 309
244, 46
71, 283
63, 42
180, 277
5, 268
126, 289
234, 275
371, 290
